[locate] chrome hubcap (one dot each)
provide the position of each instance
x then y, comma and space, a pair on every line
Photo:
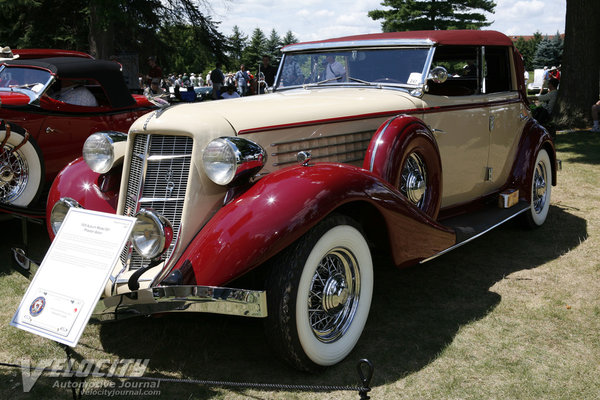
413, 182
14, 174
333, 295
539, 187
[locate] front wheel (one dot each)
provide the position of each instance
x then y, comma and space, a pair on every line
541, 187
319, 295
21, 169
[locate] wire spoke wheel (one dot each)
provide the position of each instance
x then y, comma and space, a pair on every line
413, 180
334, 295
540, 179
14, 174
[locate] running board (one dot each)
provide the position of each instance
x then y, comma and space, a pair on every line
470, 226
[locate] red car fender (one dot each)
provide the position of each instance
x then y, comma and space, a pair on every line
284, 205
93, 191
390, 145
533, 138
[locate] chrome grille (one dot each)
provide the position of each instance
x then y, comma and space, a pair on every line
160, 166
343, 148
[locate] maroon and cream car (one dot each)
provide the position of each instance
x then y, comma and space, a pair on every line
408, 143
50, 102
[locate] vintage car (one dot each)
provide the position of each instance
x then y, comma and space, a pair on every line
408, 144
43, 125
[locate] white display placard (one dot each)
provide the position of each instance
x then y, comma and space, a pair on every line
63, 293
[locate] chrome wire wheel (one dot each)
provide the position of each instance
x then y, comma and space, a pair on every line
413, 180
14, 174
334, 295
539, 193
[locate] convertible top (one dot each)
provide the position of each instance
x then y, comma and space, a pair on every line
107, 73
452, 37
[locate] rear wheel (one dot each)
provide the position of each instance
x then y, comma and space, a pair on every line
319, 295
21, 169
541, 188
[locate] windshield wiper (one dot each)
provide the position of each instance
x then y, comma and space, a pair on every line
362, 81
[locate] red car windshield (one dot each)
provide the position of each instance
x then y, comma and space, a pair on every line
24, 78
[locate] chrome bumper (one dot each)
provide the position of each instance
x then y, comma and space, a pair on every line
167, 299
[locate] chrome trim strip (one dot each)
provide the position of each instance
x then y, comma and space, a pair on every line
474, 237
143, 199
357, 44
166, 299
158, 157
377, 142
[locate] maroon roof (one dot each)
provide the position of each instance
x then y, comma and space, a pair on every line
47, 53
458, 37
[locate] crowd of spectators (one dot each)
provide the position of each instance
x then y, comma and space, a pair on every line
243, 82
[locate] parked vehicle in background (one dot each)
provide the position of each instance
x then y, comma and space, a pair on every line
408, 144
48, 108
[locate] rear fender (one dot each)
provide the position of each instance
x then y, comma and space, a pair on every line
93, 191
284, 205
534, 138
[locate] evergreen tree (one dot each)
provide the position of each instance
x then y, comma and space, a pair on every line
289, 38
409, 15
237, 43
527, 49
253, 52
548, 52
273, 45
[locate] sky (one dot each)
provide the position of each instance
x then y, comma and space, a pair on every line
317, 19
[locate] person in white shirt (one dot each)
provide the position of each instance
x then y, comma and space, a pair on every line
230, 93
334, 69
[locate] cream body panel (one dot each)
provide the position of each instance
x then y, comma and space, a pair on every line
462, 134
508, 124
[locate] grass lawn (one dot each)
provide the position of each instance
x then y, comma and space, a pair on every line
513, 315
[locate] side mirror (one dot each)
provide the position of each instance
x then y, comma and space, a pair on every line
438, 75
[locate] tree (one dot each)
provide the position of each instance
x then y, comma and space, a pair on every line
254, 51
289, 38
579, 84
237, 43
527, 49
408, 15
548, 52
273, 45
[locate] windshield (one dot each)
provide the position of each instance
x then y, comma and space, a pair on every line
24, 78
398, 66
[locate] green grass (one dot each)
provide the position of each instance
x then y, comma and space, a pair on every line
512, 315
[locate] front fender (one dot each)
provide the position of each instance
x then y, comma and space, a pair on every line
284, 205
98, 192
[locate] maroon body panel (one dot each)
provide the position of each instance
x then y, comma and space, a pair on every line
93, 191
284, 205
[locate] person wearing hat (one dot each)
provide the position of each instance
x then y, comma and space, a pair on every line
7, 54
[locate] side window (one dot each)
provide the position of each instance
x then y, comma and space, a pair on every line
464, 70
86, 93
497, 70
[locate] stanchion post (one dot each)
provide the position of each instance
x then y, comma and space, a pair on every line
365, 380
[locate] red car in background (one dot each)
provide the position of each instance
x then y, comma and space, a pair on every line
48, 107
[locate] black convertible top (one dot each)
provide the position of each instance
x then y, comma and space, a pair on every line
107, 73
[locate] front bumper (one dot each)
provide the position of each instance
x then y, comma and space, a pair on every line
167, 299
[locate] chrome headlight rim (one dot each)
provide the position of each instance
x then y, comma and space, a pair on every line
101, 161
159, 242
59, 212
228, 160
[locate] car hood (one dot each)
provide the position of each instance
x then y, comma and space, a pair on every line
285, 108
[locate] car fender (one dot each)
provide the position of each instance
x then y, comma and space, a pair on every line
93, 191
282, 206
533, 138
389, 144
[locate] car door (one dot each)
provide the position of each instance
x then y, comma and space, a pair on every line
457, 112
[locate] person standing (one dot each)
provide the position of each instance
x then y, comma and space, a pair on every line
595, 111
241, 79
154, 72
268, 74
217, 79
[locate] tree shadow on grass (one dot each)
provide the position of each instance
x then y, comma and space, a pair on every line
584, 144
415, 314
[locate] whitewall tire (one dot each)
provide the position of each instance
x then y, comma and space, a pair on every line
541, 190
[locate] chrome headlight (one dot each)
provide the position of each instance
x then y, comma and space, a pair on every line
59, 212
152, 234
228, 159
100, 150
